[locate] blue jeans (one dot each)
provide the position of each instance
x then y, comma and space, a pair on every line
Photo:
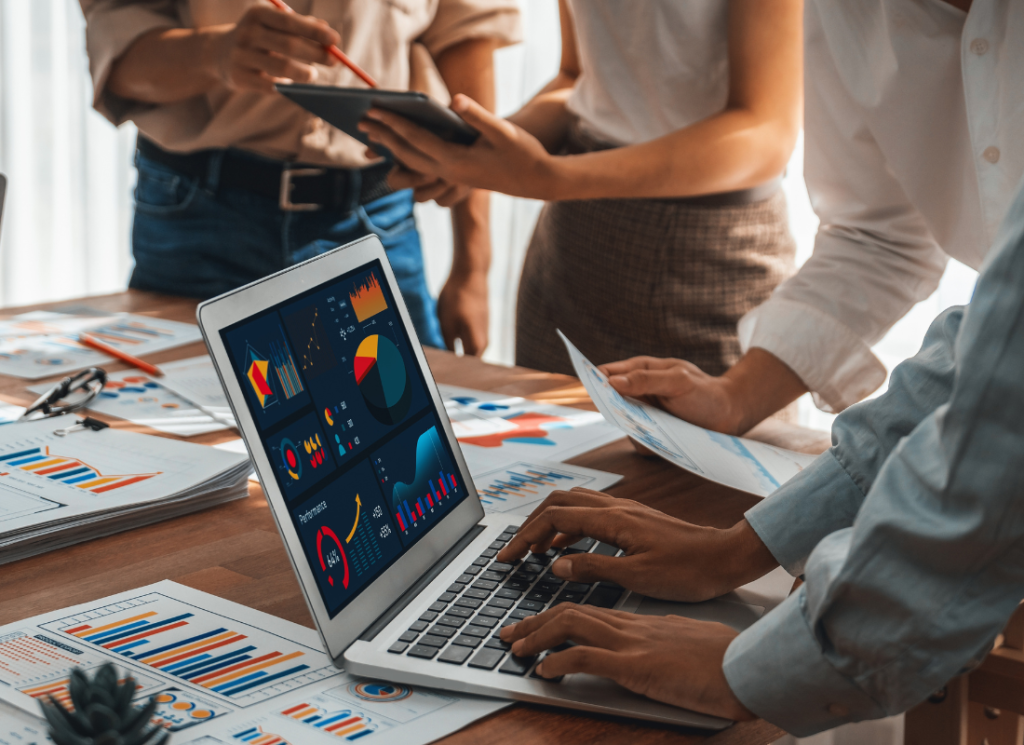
190, 240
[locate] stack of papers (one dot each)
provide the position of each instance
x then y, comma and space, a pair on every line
42, 344
59, 490
255, 679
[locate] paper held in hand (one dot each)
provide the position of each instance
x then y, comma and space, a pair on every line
737, 462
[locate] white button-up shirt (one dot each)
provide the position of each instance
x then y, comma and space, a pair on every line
913, 151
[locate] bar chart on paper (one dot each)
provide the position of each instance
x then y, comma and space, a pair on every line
332, 718
42, 462
237, 662
518, 488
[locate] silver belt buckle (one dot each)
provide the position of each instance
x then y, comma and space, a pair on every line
284, 200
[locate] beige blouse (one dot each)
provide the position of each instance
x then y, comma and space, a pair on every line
393, 40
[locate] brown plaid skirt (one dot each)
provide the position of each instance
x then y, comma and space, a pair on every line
662, 277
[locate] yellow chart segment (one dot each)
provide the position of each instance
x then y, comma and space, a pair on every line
355, 525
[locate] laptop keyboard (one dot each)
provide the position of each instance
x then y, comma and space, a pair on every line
461, 627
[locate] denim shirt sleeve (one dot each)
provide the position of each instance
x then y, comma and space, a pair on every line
826, 496
917, 589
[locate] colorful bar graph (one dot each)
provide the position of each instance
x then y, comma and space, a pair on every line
218, 658
441, 480
345, 723
401, 522
430, 502
259, 736
69, 471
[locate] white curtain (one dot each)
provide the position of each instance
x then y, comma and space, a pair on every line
67, 217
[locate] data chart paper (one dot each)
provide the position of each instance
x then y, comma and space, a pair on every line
737, 462
217, 679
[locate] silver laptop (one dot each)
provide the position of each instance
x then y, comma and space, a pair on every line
374, 501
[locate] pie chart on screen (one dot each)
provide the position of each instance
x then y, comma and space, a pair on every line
382, 378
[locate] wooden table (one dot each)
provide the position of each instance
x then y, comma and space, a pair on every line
234, 550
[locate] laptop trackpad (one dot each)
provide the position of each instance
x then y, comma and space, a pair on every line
727, 609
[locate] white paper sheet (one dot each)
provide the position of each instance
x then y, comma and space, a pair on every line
43, 344
517, 488
9, 413
267, 682
507, 429
196, 381
737, 462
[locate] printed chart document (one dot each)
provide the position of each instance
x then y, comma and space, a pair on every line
42, 344
187, 401
737, 462
56, 491
510, 428
517, 488
223, 674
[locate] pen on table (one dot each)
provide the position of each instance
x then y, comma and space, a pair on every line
92, 341
334, 51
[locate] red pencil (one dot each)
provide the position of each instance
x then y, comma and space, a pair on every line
334, 51
92, 341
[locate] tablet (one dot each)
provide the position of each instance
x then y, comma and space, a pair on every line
346, 107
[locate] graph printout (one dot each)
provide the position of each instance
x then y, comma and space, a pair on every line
47, 478
187, 401
517, 488
737, 462
43, 344
221, 674
509, 428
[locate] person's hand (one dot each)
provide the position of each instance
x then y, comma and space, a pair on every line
427, 188
269, 46
680, 388
463, 313
664, 557
670, 659
504, 158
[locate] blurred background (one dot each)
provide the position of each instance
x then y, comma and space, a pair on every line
69, 202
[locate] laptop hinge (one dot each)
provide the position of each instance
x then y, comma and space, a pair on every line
413, 592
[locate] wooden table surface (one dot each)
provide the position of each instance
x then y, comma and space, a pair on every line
234, 550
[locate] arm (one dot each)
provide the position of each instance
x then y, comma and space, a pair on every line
874, 258
918, 589
166, 65
746, 144
545, 116
468, 68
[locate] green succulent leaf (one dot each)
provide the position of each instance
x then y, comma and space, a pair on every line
79, 689
106, 678
123, 699
133, 726
102, 718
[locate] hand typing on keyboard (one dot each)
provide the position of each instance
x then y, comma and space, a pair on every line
668, 658
662, 557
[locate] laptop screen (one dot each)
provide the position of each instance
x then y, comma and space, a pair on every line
345, 419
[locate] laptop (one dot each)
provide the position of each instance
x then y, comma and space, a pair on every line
372, 497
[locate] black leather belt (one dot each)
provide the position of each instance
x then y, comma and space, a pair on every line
296, 187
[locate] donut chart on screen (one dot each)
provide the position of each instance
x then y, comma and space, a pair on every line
383, 379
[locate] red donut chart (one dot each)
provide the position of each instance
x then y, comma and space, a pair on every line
320, 553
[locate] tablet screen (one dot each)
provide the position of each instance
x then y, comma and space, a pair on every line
346, 421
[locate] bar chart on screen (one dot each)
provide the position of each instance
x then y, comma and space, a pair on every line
519, 487
224, 657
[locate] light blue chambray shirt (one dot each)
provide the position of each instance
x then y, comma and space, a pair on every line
909, 531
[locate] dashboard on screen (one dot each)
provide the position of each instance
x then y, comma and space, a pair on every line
346, 421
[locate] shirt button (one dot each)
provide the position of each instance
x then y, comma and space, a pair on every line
838, 710
979, 46
991, 154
